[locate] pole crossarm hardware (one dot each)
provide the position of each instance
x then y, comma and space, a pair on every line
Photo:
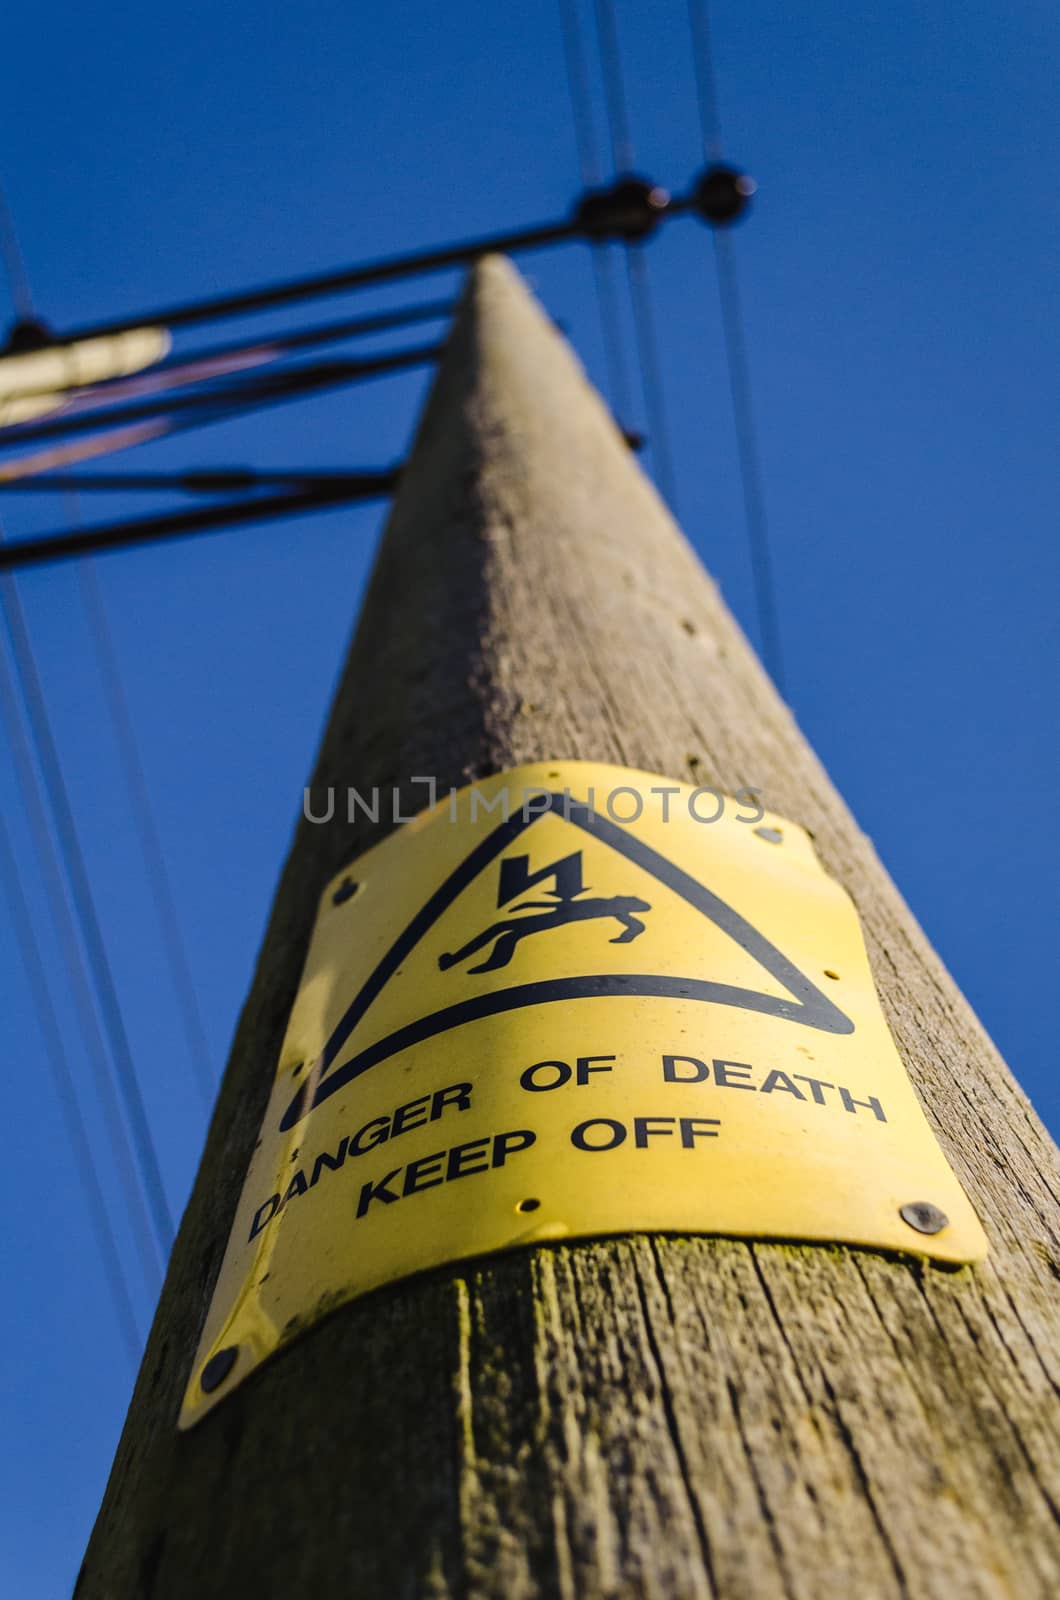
196, 480
630, 209
707, 1418
321, 494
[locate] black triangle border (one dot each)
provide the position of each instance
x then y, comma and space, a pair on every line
808, 1005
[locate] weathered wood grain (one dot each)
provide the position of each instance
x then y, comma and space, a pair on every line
635, 1417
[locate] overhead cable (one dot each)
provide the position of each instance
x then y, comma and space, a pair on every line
92, 540
66, 1094
636, 266
594, 216
80, 988
588, 161
84, 906
289, 383
158, 878
729, 194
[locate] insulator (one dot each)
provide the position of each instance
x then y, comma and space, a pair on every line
630, 209
722, 195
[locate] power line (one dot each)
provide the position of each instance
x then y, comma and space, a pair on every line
409, 264
14, 264
588, 161
77, 876
636, 266
150, 423
326, 333
651, 376
66, 1094
84, 905
736, 345
16, 472
607, 299
147, 830
47, 548
614, 88
244, 393
592, 217
58, 457
136, 784
80, 986
197, 366
197, 480
747, 454
706, 83
578, 90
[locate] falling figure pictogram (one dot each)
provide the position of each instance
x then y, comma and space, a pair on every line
554, 914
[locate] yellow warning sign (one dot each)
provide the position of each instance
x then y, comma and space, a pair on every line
573, 1000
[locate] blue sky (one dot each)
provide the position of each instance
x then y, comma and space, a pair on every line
898, 276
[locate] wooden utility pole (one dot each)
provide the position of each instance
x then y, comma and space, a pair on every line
638, 1416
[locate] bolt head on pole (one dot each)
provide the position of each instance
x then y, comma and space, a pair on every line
924, 1217
217, 1369
629, 209
722, 195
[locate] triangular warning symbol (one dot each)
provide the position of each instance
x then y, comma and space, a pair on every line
552, 904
